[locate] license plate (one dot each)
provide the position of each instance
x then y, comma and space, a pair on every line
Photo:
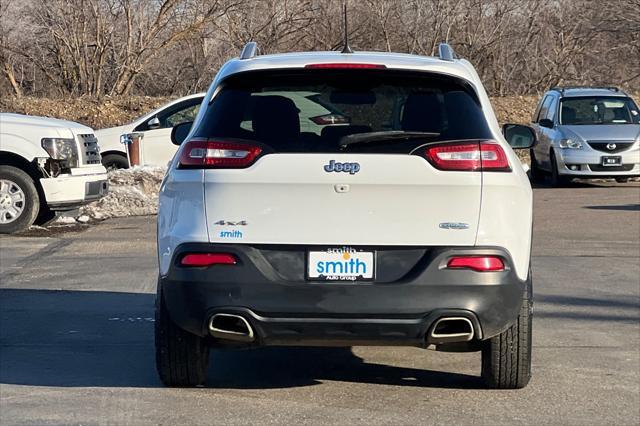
340, 264
614, 160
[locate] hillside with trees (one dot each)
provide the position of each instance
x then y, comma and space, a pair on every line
98, 48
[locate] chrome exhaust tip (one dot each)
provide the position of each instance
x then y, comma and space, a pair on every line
451, 329
231, 327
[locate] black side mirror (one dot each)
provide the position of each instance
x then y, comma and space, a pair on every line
180, 132
519, 136
545, 122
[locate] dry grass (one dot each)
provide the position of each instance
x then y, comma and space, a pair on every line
109, 112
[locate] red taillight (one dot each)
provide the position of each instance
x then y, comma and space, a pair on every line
208, 259
485, 156
477, 263
213, 154
493, 158
346, 66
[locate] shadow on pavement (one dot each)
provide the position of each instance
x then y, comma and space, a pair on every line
623, 207
552, 307
609, 184
105, 339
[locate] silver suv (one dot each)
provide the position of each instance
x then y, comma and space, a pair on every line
586, 133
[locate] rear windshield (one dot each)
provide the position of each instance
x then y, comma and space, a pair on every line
598, 110
314, 110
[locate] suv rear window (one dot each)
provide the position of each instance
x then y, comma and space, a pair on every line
312, 110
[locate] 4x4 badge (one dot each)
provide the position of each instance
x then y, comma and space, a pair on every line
230, 223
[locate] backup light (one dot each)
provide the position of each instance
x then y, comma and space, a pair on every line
468, 156
214, 154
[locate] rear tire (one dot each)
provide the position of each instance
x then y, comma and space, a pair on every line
536, 174
182, 358
115, 161
557, 180
506, 358
19, 200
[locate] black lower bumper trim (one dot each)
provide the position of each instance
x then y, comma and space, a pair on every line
361, 331
268, 286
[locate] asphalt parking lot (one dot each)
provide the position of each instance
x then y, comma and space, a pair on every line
76, 338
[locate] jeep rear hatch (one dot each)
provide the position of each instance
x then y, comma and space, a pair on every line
281, 166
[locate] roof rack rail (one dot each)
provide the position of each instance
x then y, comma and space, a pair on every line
445, 52
561, 89
250, 50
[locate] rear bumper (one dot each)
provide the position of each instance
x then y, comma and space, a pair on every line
286, 311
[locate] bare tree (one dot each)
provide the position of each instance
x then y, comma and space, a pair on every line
161, 47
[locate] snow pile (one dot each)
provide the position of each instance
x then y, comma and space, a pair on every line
132, 192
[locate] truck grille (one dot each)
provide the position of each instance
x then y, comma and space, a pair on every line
610, 146
89, 148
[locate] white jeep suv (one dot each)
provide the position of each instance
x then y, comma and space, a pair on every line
408, 225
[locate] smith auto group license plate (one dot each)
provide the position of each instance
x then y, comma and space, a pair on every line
340, 264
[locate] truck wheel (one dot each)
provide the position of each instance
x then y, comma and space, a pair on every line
506, 358
19, 201
115, 161
181, 357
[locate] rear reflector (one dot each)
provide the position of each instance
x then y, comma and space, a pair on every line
468, 156
346, 66
213, 154
477, 263
208, 259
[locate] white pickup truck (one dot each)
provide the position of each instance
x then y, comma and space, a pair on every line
46, 165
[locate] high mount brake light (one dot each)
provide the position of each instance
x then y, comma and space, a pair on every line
208, 259
214, 154
476, 263
346, 66
485, 156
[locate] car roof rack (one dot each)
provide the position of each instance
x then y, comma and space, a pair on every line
250, 50
446, 53
561, 89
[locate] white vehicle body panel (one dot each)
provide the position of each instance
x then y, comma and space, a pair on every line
393, 200
157, 147
284, 193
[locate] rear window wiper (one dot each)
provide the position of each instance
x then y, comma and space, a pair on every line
384, 136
